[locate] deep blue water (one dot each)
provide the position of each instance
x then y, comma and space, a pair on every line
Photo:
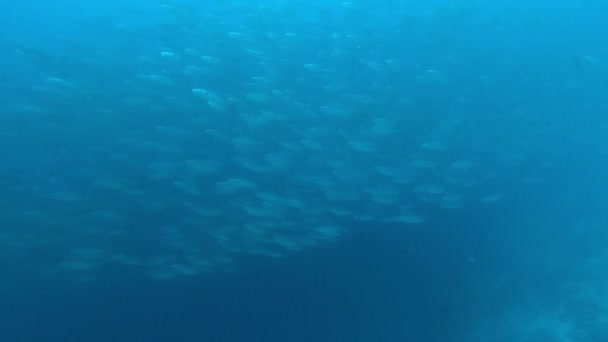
304, 171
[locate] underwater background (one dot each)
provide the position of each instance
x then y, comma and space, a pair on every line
297, 170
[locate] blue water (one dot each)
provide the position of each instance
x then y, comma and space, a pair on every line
303, 171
